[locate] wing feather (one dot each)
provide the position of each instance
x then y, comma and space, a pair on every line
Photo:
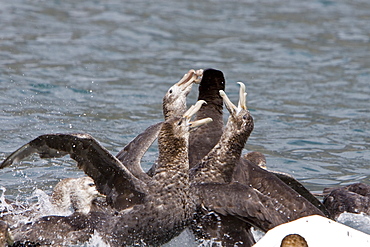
242, 202
111, 177
133, 152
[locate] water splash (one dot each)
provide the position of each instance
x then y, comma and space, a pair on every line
360, 222
96, 241
45, 206
4, 206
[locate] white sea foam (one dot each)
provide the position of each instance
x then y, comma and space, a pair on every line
360, 222
96, 241
4, 206
45, 206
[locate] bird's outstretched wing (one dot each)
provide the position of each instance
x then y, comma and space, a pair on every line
243, 202
133, 152
298, 187
111, 177
278, 187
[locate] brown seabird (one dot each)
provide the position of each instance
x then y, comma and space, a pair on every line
353, 198
174, 104
77, 194
204, 138
258, 159
227, 188
164, 206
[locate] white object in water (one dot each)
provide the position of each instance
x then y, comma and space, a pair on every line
318, 231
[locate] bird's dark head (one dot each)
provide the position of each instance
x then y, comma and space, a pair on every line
212, 82
174, 102
240, 121
257, 158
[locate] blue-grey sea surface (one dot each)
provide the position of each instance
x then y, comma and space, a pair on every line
102, 67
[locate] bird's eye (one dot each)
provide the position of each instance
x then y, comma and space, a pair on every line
245, 117
170, 91
91, 184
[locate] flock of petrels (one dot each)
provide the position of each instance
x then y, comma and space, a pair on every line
200, 180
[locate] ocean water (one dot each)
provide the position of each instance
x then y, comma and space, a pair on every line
102, 67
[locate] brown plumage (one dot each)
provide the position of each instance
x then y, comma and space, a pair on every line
218, 165
353, 198
204, 138
233, 187
6, 238
163, 206
258, 159
174, 104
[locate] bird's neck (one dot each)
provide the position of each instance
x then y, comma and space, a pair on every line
218, 165
173, 162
